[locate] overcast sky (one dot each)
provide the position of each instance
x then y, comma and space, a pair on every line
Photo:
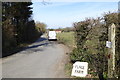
63, 14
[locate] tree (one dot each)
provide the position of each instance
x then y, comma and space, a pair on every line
17, 25
41, 27
8, 39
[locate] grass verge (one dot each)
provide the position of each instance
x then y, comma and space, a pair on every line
66, 38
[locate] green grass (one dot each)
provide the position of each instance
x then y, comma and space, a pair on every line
68, 69
66, 38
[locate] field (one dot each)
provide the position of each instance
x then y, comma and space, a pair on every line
66, 38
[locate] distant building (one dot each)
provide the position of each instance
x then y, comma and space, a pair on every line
58, 31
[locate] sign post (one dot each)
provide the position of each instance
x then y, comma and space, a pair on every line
111, 51
80, 69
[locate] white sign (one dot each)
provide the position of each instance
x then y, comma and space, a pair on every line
108, 44
80, 69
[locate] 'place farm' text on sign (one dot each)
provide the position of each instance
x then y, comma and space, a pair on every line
80, 69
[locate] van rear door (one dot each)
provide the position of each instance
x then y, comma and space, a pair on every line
52, 35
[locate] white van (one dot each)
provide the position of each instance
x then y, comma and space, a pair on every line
52, 35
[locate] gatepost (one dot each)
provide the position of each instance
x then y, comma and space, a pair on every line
111, 50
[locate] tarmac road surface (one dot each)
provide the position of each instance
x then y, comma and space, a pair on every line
42, 59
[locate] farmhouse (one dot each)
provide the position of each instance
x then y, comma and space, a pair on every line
58, 31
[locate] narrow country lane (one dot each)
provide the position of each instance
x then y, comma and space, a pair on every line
42, 59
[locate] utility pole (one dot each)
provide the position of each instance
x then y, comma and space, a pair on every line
111, 51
